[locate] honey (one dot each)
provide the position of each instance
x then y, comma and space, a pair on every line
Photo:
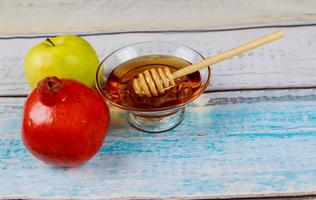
118, 87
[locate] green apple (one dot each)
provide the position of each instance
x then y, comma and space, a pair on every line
65, 56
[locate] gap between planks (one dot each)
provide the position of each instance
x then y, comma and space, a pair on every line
307, 88
299, 197
4, 37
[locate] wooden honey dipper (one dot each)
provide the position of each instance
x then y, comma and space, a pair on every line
155, 82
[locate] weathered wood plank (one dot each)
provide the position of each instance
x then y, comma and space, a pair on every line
242, 144
46, 17
289, 62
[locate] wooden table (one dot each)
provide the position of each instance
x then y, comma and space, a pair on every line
251, 135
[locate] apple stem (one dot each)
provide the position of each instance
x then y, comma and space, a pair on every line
48, 40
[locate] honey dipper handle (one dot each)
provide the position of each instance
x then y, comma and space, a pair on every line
228, 54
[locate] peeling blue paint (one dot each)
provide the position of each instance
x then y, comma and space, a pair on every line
240, 148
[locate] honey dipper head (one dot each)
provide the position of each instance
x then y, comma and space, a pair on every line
153, 82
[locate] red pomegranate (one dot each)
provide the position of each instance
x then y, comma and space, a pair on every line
64, 122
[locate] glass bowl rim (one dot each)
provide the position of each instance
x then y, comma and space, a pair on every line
178, 106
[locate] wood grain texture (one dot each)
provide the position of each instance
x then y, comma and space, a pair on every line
229, 145
32, 17
289, 62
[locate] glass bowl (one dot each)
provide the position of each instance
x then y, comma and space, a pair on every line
152, 120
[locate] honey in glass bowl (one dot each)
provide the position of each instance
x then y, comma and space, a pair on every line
119, 83
157, 113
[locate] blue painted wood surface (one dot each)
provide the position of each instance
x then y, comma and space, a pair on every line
233, 146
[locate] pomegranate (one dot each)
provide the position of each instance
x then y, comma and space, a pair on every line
64, 122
